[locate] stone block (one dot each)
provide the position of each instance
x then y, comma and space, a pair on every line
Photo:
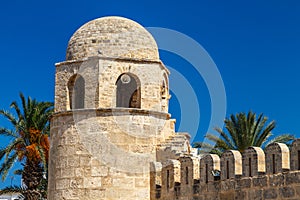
244, 183
62, 184
231, 164
196, 189
254, 194
240, 194
97, 194
76, 183
287, 192
73, 162
79, 172
92, 182
253, 161
292, 177
99, 171
208, 164
276, 180
295, 155
277, 158
270, 193
260, 181
228, 185
141, 182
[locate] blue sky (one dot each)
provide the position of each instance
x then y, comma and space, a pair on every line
254, 44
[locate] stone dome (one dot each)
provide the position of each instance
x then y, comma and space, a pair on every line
114, 37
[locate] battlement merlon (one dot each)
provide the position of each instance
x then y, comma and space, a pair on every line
233, 172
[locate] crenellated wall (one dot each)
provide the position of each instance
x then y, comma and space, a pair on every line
111, 121
272, 173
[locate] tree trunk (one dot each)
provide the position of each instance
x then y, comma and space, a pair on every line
32, 178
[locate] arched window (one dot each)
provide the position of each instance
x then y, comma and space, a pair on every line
165, 87
76, 87
128, 91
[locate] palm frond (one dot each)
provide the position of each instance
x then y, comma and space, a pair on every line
11, 190
18, 172
13, 146
43, 158
2, 152
6, 166
227, 139
257, 127
244, 130
10, 117
7, 132
266, 133
284, 138
202, 145
15, 106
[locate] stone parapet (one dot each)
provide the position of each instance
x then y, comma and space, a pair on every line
253, 174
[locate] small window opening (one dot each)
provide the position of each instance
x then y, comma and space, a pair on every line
163, 91
250, 168
76, 87
273, 164
227, 169
187, 175
168, 180
128, 91
206, 173
298, 160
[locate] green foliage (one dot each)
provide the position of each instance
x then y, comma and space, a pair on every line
28, 144
242, 131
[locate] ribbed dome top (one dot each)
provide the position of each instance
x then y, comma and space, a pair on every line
112, 37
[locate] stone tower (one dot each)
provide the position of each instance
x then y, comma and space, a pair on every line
111, 113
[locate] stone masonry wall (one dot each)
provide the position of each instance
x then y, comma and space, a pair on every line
101, 74
104, 153
256, 174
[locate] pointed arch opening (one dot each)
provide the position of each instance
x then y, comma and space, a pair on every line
128, 91
76, 88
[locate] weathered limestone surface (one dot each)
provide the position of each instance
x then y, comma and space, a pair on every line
280, 183
100, 148
103, 148
112, 37
95, 152
101, 75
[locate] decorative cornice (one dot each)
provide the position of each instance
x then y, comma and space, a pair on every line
113, 112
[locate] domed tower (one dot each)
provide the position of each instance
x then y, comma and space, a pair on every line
111, 113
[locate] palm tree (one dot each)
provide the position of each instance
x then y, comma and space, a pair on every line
242, 131
29, 145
